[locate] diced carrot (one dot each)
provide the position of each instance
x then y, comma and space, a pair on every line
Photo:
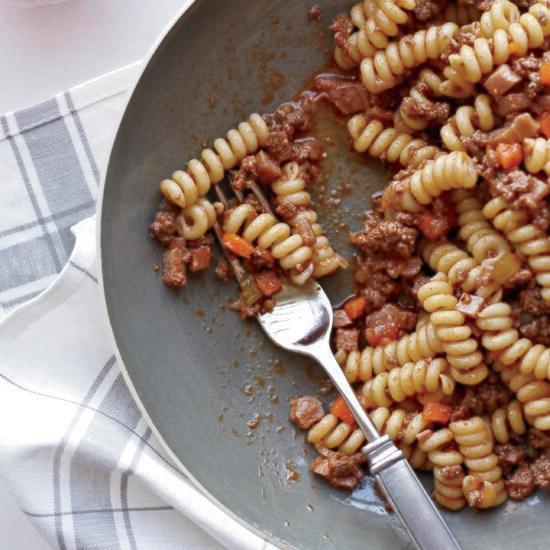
509, 155
513, 48
268, 282
356, 307
544, 122
545, 74
437, 412
238, 245
432, 226
381, 335
340, 409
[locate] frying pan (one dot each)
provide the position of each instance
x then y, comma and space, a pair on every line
198, 372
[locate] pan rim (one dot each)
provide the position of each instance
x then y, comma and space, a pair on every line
145, 62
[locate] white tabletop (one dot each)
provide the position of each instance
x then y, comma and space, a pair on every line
47, 50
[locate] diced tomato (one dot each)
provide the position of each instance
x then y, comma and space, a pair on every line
356, 307
544, 122
437, 412
200, 258
509, 155
340, 409
513, 48
238, 245
381, 335
268, 282
432, 226
545, 74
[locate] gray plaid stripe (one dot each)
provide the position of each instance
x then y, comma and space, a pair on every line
28, 186
91, 486
129, 509
56, 163
124, 489
82, 270
98, 411
83, 137
63, 443
55, 218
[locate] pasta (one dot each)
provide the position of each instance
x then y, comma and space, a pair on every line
500, 15
288, 248
461, 349
537, 155
527, 33
466, 121
387, 66
186, 187
461, 13
529, 241
377, 20
195, 220
508, 421
483, 486
372, 137
448, 171
401, 383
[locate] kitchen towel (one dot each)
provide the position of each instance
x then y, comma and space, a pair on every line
74, 450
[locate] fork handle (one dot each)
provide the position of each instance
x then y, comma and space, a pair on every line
400, 485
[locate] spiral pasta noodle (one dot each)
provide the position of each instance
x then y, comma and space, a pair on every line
437, 298
466, 121
412, 379
500, 15
448, 171
448, 487
387, 66
377, 20
459, 267
393, 146
508, 421
483, 486
488, 52
436, 446
195, 220
185, 187
269, 234
537, 155
461, 14
290, 188
528, 240
421, 344
500, 338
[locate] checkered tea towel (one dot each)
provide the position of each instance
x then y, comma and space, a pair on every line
74, 450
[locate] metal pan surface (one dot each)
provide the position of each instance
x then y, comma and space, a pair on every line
197, 371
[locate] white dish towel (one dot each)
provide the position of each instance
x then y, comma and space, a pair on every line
74, 449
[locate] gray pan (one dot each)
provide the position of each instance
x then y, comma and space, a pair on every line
197, 371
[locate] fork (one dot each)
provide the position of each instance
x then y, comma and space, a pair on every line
301, 322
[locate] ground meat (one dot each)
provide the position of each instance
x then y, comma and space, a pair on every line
347, 339
314, 13
223, 270
437, 112
305, 411
305, 230
509, 457
541, 472
501, 80
521, 483
341, 471
245, 310
342, 27
537, 330
538, 439
294, 116
451, 473
279, 146
267, 169
528, 69
342, 465
522, 190
531, 301
346, 94
391, 315
541, 218
163, 227
307, 150
460, 412
426, 9
286, 210
200, 258
261, 259
341, 319
175, 261
386, 239
484, 398
465, 37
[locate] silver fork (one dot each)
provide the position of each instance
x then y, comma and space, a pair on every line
301, 321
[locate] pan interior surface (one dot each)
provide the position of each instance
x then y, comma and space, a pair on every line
198, 370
